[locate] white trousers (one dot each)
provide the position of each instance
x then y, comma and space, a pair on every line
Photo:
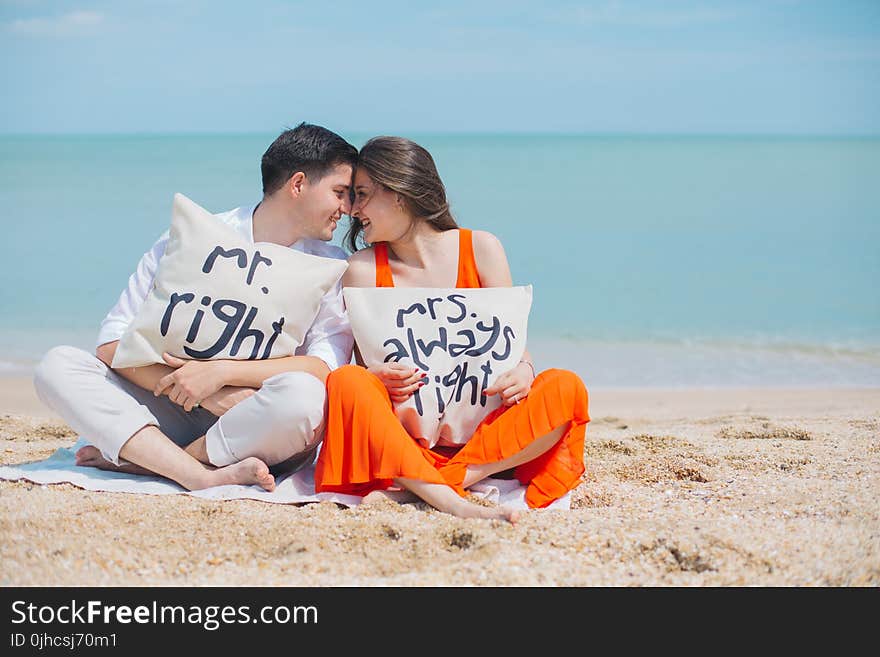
282, 423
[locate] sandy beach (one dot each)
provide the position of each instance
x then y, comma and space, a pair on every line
720, 487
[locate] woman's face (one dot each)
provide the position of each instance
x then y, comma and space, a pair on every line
378, 210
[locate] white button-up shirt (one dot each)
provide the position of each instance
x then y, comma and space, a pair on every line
329, 337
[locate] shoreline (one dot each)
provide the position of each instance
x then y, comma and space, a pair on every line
650, 363
18, 397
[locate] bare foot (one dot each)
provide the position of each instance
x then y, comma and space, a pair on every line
91, 457
247, 471
399, 496
470, 510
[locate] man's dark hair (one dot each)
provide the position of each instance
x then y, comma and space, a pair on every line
308, 148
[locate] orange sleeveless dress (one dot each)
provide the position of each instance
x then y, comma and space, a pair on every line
365, 447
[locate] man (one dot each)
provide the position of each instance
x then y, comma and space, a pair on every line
208, 423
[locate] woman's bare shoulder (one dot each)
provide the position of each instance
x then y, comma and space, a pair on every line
364, 255
361, 270
486, 241
491, 260
488, 248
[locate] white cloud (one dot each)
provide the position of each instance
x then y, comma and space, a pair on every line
73, 23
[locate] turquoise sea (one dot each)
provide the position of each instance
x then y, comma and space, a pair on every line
656, 261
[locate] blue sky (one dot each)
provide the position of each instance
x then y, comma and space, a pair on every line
603, 66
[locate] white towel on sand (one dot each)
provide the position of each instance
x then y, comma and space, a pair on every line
297, 488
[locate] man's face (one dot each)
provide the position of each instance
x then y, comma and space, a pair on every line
324, 201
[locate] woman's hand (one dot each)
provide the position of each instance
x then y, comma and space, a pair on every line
225, 398
192, 381
513, 386
400, 381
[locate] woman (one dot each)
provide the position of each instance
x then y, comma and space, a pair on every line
538, 431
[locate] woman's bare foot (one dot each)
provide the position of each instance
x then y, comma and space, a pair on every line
399, 496
247, 471
461, 508
91, 457
468, 509
444, 498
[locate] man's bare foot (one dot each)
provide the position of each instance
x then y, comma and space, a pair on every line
399, 496
247, 471
91, 457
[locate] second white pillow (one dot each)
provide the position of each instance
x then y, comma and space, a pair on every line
462, 339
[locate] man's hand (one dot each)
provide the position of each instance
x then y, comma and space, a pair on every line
400, 381
225, 398
513, 386
192, 381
